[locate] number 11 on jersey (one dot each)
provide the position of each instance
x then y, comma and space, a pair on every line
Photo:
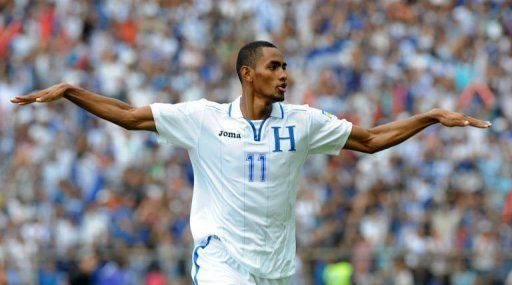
262, 159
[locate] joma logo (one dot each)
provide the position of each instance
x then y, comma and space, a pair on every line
229, 135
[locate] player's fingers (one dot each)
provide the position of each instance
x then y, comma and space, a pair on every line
454, 119
478, 123
23, 99
465, 121
19, 99
31, 97
15, 100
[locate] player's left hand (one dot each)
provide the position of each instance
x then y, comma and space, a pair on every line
454, 119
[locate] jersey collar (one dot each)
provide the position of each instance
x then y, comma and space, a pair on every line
234, 110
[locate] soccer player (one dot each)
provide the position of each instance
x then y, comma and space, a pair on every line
247, 156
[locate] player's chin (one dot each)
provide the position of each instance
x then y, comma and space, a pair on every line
278, 96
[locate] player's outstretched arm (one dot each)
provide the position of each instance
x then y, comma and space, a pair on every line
385, 136
106, 108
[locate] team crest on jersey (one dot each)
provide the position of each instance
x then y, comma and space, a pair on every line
329, 115
230, 135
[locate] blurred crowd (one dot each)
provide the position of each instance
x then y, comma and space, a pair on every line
85, 202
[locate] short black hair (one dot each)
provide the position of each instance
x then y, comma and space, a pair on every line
249, 53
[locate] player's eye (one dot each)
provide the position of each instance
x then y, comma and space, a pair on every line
275, 65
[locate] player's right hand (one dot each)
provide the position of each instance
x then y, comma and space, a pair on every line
46, 95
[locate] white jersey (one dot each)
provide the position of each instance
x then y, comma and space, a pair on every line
246, 177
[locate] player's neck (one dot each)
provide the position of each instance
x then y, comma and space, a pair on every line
254, 107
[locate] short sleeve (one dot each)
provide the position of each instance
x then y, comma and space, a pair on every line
327, 133
178, 124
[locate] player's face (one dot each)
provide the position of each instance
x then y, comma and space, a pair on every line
270, 76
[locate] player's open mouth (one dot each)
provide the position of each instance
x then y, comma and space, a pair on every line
282, 87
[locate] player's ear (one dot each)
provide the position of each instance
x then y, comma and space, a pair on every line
247, 73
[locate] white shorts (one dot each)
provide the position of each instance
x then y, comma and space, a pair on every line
213, 265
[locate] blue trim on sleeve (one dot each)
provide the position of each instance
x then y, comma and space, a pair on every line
196, 256
282, 111
229, 109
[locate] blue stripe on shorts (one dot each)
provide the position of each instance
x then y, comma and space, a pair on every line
196, 255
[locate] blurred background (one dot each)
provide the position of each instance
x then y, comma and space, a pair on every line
85, 202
